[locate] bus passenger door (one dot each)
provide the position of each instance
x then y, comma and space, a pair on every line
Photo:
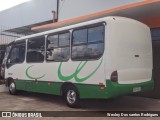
15, 62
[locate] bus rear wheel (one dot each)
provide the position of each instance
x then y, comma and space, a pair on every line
71, 97
12, 88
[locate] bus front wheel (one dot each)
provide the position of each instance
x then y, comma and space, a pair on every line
71, 97
12, 87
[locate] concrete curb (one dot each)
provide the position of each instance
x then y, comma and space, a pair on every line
3, 88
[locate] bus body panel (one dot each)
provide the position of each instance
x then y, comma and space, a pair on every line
129, 51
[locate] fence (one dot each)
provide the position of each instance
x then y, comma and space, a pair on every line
7, 36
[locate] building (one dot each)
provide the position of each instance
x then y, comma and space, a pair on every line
33, 16
18, 21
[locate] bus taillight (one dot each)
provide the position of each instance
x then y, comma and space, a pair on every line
114, 76
102, 87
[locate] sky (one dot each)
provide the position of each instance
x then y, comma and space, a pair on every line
5, 4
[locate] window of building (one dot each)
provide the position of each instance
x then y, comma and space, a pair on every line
88, 43
58, 47
36, 49
17, 54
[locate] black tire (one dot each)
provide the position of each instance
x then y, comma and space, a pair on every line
71, 97
12, 88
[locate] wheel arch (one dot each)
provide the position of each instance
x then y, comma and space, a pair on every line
65, 85
8, 80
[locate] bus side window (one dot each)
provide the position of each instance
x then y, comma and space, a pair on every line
58, 47
36, 50
17, 54
88, 43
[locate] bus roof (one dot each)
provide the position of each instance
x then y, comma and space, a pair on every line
104, 19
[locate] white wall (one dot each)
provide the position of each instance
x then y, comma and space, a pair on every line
75, 8
36, 11
28, 13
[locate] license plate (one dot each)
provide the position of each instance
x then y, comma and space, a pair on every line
136, 89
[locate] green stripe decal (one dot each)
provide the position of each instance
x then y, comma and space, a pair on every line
31, 77
75, 74
67, 78
111, 90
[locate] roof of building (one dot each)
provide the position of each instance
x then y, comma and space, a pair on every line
142, 11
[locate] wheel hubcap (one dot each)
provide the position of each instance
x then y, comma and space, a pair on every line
12, 87
71, 96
